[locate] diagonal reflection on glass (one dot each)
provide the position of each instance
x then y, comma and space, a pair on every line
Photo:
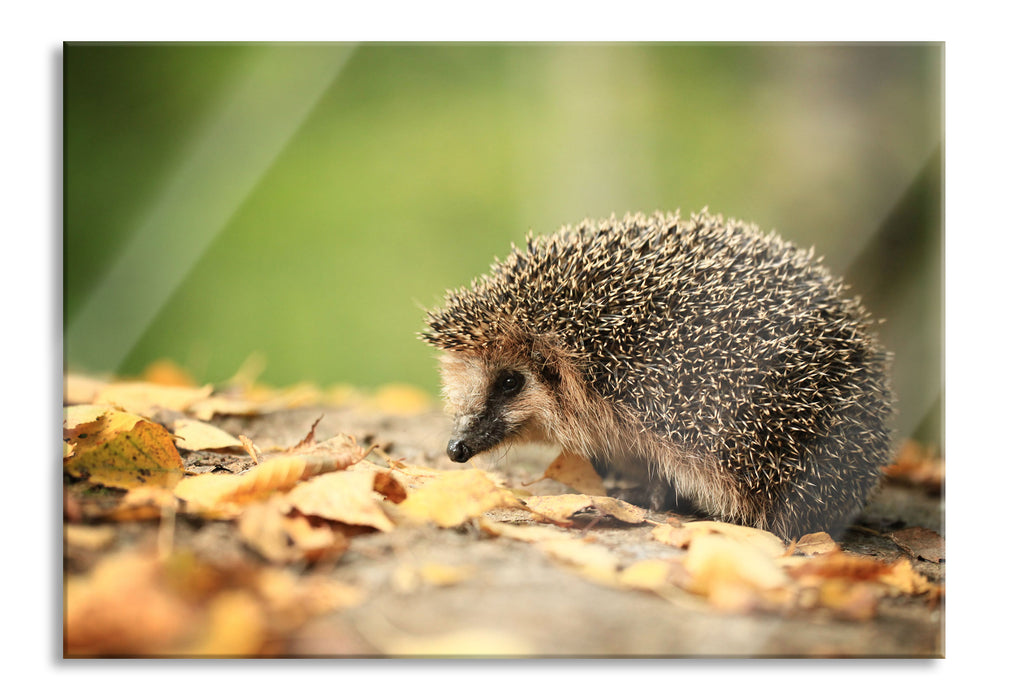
229, 155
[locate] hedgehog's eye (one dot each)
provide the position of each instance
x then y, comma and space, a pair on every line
510, 382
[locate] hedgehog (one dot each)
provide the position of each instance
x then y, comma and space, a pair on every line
717, 369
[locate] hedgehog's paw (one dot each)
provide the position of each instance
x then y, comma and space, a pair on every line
651, 496
656, 496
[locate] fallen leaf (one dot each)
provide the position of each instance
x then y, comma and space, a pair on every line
675, 535
197, 435
223, 495
839, 564
766, 541
146, 399
902, 577
84, 413
283, 536
921, 542
916, 465
576, 472
816, 543
561, 508
123, 450
348, 497
309, 439
455, 497
207, 408
714, 559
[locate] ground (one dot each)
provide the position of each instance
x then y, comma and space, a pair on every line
502, 580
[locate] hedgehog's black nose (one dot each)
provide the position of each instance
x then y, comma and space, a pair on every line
459, 451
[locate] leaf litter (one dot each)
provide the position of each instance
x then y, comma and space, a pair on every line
303, 506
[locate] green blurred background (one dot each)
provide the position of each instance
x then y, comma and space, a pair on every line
305, 201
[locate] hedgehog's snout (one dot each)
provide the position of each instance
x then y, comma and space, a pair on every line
459, 451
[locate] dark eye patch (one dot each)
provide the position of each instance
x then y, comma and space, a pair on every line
509, 383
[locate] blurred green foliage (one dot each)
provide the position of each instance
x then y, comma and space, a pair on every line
419, 163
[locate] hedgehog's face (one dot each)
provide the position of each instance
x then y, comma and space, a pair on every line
493, 402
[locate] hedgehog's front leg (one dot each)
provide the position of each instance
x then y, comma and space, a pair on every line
651, 493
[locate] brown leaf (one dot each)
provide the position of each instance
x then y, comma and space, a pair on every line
577, 472
123, 450
284, 536
919, 466
309, 440
921, 542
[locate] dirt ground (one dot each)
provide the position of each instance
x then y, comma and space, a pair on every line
517, 600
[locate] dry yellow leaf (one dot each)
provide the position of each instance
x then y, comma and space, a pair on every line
84, 413
223, 495
347, 497
456, 496
561, 508
905, 579
714, 559
675, 535
197, 435
123, 450
766, 541
577, 472
146, 399
816, 543
207, 408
